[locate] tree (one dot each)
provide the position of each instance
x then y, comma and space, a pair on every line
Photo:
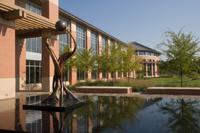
71, 61
131, 62
183, 115
181, 50
114, 59
103, 61
86, 60
111, 59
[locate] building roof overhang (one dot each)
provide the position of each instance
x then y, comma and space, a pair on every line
140, 47
92, 27
25, 21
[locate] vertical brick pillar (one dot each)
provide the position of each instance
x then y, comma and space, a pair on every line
152, 69
50, 10
156, 70
146, 68
7, 59
131, 75
88, 46
134, 74
20, 64
116, 75
100, 52
73, 74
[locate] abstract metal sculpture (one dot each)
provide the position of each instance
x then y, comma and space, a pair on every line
59, 66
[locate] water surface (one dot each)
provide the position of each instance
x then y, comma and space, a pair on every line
105, 115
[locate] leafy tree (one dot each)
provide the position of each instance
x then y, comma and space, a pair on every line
181, 51
86, 60
131, 62
114, 59
70, 63
164, 68
103, 61
111, 59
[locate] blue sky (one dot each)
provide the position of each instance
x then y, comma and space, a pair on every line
143, 21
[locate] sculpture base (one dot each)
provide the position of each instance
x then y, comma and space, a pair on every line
54, 108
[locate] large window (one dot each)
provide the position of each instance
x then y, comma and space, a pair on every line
33, 7
104, 43
81, 75
64, 39
113, 74
153, 65
125, 74
119, 74
66, 73
94, 42
149, 69
94, 46
80, 37
141, 53
94, 74
34, 44
33, 71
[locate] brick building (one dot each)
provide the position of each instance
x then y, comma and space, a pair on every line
25, 65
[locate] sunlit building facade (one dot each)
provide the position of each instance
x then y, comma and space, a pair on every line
25, 64
150, 59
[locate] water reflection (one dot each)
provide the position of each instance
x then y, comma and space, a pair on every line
183, 115
101, 114
110, 112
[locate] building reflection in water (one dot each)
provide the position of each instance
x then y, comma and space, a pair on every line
183, 115
100, 114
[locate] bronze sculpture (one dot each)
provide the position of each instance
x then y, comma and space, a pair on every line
58, 68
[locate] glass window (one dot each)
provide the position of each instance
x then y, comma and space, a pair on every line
66, 73
33, 7
94, 74
64, 39
94, 42
149, 69
124, 74
113, 75
34, 44
119, 74
80, 37
33, 72
148, 53
142, 53
81, 75
104, 74
104, 42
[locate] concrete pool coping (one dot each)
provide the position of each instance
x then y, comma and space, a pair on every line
135, 94
104, 89
174, 90
178, 88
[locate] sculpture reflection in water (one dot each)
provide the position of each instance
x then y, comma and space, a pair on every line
184, 115
59, 66
101, 114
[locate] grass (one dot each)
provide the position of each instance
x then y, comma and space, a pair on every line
175, 82
142, 84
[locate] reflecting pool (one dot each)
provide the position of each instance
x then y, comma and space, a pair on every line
105, 115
